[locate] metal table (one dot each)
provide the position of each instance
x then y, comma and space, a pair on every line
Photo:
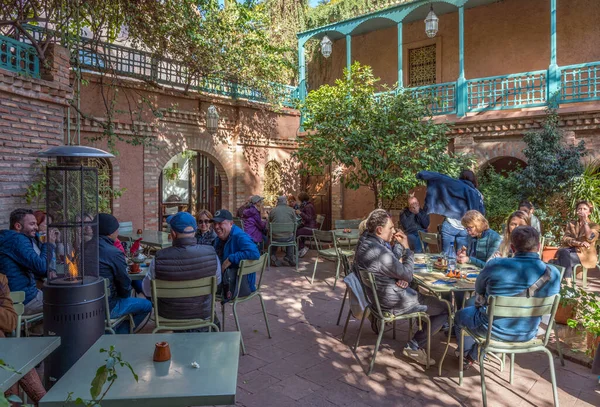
347, 239
426, 279
174, 383
23, 354
152, 238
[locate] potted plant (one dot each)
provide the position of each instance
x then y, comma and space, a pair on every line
550, 247
567, 308
588, 315
172, 173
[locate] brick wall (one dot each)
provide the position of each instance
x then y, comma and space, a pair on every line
31, 119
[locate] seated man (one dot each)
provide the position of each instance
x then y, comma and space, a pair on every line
30, 382
22, 260
412, 219
508, 277
113, 267
282, 213
233, 245
185, 260
392, 267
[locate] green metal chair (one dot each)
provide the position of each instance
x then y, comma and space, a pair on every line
584, 270
346, 270
542, 241
429, 239
513, 307
283, 228
309, 240
18, 298
383, 317
248, 267
112, 323
184, 289
332, 253
347, 224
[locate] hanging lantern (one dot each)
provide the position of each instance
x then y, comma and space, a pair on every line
212, 119
431, 23
326, 46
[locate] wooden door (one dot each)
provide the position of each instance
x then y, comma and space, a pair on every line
208, 185
318, 188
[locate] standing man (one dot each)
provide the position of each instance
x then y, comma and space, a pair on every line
233, 245
185, 260
113, 267
283, 213
22, 260
508, 277
412, 219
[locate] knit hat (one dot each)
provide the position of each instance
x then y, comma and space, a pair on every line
107, 224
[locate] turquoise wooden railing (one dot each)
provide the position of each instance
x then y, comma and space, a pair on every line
19, 57
442, 97
580, 83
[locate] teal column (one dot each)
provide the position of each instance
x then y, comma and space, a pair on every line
553, 70
461, 83
400, 72
301, 72
348, 53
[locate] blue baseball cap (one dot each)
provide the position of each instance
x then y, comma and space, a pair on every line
182, 222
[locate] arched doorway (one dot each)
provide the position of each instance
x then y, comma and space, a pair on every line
503, 164
190, 181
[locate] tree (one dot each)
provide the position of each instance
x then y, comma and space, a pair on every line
552, 165
381, 141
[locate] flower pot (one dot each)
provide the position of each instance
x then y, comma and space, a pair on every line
592, 343
564, 313
548, 253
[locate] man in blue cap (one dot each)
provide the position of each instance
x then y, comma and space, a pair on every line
233, 245
184, 260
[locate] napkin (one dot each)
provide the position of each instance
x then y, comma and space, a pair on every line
444, 282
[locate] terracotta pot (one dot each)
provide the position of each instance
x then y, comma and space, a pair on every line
592, 344
564, 313
548, 253
162, 352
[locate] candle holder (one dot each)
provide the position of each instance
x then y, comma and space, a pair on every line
162, 352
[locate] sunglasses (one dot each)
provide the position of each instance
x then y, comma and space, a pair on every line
206, 222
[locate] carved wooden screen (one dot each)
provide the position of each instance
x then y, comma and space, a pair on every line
422, 66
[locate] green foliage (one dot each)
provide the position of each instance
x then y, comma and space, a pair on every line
105, 373
501, 193
380, 141
587, 187
551, 164
569, 294
554, 213
7, 401
588, 313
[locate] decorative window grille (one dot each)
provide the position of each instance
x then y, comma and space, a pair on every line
422, 66
272, 186
105, 182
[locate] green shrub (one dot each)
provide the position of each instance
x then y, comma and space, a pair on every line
501, 195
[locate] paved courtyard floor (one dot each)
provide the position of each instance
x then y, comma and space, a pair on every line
306, 364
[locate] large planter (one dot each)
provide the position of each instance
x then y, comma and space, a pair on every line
548, 253
564, 313
592, 343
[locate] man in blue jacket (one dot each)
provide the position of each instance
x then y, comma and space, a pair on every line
233, 245
508, 277
22, 260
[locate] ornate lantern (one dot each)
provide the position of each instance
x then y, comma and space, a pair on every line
326, 46
431, 23
212, 119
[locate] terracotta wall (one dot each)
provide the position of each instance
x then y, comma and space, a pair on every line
509, 36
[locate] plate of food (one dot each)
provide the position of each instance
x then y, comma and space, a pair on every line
440, 264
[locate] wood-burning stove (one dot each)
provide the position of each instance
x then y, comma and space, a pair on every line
74, 300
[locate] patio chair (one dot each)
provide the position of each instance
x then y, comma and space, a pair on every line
310, 240
542, 241
18, 298
347, 224
327, 238
320, 221
125, 227
584, 271
184, 289
248, 267
429, 239
239, 222
283, 228
513, 307
346, 270
383, 317
112, 323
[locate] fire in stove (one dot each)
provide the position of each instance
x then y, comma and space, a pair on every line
71, 269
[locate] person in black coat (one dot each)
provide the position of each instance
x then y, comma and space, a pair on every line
113, 266
412, 220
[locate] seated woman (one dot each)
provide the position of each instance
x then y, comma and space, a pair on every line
205, 234
579, 242
482, 243
517, 218
253, 224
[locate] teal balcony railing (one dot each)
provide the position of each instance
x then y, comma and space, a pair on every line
507, 91
130, 62
442, 97
19, 57
580, 83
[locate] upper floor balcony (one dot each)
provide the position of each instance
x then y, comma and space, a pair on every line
487, 55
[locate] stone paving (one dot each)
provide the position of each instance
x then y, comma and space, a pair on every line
305, 363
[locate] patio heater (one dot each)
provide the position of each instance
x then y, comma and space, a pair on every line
74, 300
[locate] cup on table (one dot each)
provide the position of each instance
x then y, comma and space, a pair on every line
134, 268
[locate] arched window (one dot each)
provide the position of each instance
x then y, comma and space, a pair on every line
105, 183
272, 185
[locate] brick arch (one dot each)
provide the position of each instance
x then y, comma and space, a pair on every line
490, 151
157, 156
503, 163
